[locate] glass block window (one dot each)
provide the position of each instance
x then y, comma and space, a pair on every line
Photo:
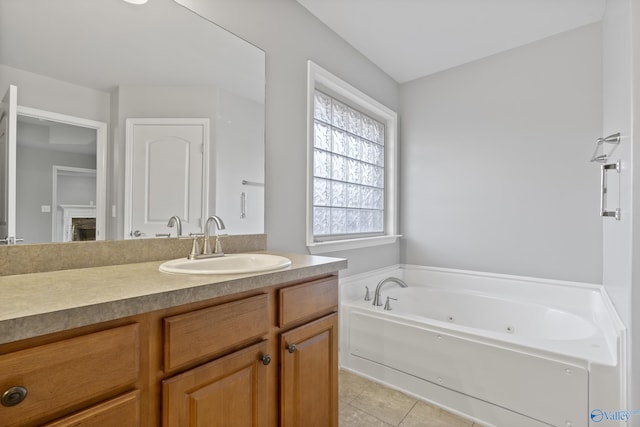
348, 170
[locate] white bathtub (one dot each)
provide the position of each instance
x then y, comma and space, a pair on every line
503, 350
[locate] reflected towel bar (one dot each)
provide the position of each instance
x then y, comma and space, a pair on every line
603, 190
245, 182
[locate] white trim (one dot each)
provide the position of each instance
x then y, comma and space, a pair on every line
11, 129
101, 158
344, 245
318, 76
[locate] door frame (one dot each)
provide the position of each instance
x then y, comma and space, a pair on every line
8, 218
131, 123
101, 129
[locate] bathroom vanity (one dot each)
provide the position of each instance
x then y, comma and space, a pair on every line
127, 345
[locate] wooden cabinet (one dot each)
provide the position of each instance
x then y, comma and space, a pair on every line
239, 387
232, 389
309, 354
309, 374
262, 358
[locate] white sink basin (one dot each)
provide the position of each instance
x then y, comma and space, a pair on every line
227, 264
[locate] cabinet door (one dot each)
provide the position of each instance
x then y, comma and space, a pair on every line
228, 392
309, 374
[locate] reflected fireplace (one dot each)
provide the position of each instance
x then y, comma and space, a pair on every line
83, 229
78, 222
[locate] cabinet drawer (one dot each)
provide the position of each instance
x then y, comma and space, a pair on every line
211, 331
67, 373
123, 411
308, 300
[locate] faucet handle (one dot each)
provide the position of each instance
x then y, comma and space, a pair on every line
218, 246
195, 249
387, 305
367, 296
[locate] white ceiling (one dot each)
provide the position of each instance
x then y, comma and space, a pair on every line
409, 39
55, 136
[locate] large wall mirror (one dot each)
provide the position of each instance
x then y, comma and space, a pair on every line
127, 115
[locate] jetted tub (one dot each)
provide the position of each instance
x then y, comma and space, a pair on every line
503, 350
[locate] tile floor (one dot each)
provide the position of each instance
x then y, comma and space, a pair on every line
365, 403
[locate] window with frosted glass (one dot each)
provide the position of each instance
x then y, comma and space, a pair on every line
348, 170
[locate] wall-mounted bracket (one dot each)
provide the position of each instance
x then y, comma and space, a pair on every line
599, 154
603, 190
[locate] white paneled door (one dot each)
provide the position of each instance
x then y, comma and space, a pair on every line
8, 126
166, 175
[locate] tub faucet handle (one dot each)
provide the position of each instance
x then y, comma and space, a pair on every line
387, 305
367, 296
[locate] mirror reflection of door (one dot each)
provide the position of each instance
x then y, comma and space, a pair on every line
47, 142
167, 174
8, 118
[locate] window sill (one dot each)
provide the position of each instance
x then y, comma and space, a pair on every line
342, 245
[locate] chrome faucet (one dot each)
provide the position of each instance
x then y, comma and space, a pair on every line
175, 220
377, 299
207, 252
206, 249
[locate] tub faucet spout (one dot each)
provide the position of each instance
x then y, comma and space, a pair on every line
377, 299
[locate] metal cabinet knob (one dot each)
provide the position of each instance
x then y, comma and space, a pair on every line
291, 348
266, 359
13, 396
